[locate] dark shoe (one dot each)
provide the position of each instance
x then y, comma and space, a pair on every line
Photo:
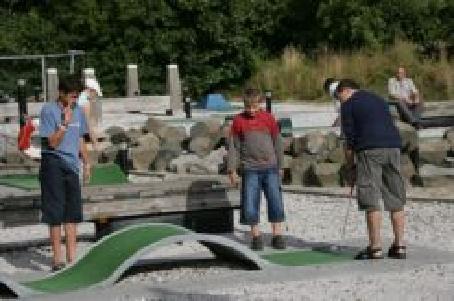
369, 253
278, 242
58, 267
257, 243
397, 252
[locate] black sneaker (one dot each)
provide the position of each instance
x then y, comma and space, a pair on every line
257, 243
58, 267
397, 252
278, 242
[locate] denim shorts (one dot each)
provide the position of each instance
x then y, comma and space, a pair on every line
61, 200
254, 182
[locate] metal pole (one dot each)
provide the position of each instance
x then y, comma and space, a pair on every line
43, 78
187, 107
21, 101
71, 64
268, 96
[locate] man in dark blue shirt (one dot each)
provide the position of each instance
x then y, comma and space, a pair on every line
373, 139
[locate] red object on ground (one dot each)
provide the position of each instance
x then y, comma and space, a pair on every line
25, 134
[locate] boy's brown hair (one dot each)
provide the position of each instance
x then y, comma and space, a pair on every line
252, 95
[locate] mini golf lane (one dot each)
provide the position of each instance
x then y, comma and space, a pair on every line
107, 260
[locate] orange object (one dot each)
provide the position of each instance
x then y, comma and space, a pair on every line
25, 134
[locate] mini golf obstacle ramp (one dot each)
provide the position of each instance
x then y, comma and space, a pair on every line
104, 263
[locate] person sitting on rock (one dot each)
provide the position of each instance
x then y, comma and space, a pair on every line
255, 147
402, 89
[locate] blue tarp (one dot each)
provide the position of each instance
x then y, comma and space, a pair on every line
216, 102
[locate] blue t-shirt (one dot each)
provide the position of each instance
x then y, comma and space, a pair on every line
367, 122
68, 149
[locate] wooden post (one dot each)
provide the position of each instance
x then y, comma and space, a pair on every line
174, 89
132, 80
52, 84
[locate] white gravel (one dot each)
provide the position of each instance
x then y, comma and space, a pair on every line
309, 219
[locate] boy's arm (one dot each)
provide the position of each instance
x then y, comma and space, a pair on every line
233, 155
277, 141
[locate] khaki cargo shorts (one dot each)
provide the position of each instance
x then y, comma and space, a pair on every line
379, 178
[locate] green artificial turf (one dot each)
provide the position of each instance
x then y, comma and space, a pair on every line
103, 260
102, 174
305, 257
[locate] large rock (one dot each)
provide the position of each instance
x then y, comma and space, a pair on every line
449, 135
152, 125
117, 135
434, 176
207, 128
163, 159
108, 154
210, 164
408, 135
336, 155
433, 151
201, 146
145, 153
326, 174
300, 171
133, 137
313, 143
181, 164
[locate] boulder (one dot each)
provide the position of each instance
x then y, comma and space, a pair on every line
315, 143
207, 128
449, 135
434, 176
152, 125
326, 174
433, 151
201, 146
142, 157
408, 135
163, 159
180, 164
332, 141
108, 154
171, 145
133, 137
299, 171
336, 155
117, 135
145, 153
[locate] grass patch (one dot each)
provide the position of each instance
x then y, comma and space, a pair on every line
306, 257
102, 174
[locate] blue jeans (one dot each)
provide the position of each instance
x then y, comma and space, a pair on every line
254, 181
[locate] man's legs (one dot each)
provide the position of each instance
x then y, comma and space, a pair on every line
398, 223
373, 220
71, 241
55, 241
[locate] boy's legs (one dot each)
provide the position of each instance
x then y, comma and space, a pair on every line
55, 241
250, 201
271, 185
71, 241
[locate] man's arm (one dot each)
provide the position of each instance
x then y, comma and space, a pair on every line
392, 90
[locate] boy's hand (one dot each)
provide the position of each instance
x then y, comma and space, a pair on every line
86, 173
234, 180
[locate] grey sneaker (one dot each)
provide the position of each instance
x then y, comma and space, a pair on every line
278, 242
257, 243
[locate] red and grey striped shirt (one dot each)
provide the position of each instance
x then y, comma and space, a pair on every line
255, 142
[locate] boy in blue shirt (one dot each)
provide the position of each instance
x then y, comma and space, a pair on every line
62, 129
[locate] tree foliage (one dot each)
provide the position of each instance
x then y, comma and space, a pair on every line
216, 43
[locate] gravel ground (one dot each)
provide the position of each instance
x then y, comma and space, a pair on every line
310, 219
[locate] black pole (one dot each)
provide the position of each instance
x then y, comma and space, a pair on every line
37, 90
268, 96
21, 101
187, 107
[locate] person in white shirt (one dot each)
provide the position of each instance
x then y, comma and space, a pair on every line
86, 101
402, 89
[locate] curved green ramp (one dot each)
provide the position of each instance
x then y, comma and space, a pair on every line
103, 260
